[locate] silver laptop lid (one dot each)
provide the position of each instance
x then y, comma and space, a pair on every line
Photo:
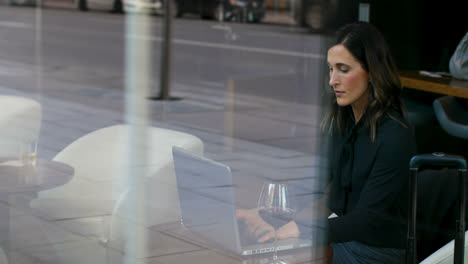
206, 197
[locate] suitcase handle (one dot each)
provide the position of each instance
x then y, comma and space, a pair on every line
438, 159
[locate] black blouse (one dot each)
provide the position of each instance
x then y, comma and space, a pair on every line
369, 184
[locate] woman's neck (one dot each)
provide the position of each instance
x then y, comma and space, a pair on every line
359, 108
358, 113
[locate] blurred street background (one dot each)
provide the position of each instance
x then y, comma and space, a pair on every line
247, 78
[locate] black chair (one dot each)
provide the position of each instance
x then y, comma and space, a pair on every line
452, 114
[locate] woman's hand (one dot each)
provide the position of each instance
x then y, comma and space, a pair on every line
288, 230
261, 230
256, 227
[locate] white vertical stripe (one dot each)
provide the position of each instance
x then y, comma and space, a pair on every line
137, 70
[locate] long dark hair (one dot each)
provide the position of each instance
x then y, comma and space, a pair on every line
369, 47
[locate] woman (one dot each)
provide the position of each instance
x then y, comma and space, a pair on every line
372, 145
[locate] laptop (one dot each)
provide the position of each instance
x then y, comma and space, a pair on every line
207, 204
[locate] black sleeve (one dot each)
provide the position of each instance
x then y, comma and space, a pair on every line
385, 185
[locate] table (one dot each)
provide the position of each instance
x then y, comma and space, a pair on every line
294, 256
16, 178
443, 85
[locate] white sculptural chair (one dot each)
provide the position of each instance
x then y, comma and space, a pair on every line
98, 159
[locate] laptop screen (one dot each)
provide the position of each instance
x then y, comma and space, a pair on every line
206, 197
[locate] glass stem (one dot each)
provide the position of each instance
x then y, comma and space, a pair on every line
275, 254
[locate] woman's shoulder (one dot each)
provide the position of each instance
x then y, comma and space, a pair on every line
395, 139
394, 126
394, 122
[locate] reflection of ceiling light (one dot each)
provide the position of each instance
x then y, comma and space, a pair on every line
254, 4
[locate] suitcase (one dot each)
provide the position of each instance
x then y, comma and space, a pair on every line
437, 160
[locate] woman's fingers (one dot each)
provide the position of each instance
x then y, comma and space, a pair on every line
247, 215
256, 227
241, 214
262, 228
288, 230
270, 235
263, 231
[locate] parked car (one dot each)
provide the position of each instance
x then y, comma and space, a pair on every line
21, 2
147, 6
159, 7
206, 8
223, 10
110, 5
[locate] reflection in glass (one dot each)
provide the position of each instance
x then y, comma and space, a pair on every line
275, 208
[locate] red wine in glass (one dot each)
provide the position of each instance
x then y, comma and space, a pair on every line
277, 216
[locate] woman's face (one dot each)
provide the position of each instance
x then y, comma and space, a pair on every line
348, 79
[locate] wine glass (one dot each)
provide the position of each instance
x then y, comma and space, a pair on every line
277, 209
